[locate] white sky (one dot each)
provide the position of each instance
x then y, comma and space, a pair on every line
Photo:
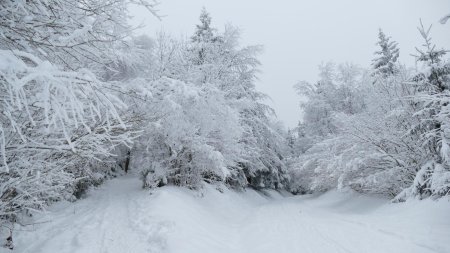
298, 35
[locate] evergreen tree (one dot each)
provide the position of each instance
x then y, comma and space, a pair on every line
204, 32
386, 59
433, 98
204, 43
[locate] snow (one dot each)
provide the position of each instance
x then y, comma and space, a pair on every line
121, 217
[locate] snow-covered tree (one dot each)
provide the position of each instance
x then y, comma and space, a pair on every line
204, 41
367, 149
336, 91
194, 138
60, 120
390, 131
218, 62
198, 120
433, 110
385, 64
204, 32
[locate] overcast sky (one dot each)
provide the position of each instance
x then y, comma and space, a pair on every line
298, 35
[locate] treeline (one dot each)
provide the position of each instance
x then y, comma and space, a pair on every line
385, 130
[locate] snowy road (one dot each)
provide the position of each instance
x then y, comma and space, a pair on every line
121, 217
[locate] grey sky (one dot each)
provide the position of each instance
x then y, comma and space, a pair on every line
298, 35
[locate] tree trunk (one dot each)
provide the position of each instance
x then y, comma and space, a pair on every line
127, 161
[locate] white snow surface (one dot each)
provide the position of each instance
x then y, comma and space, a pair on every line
120, 217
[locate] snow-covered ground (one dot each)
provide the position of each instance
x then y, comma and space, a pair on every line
120, 217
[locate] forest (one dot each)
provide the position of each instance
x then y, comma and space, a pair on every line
83, 100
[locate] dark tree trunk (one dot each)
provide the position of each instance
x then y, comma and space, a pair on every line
9, 242
127, 161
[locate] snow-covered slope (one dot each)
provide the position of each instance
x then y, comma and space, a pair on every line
121, 217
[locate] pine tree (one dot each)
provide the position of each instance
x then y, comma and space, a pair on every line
204, 32
385, 63
433, 98
204, 41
